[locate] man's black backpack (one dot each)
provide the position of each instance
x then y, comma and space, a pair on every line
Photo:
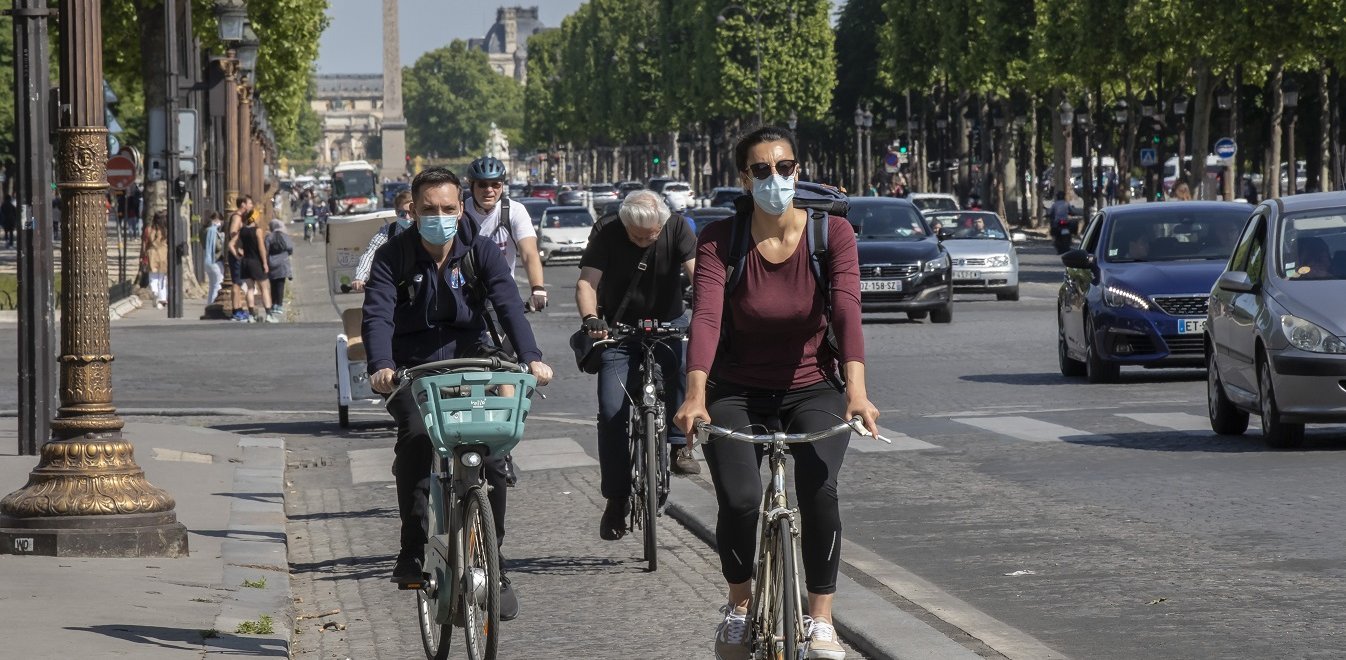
474, 286
821, 202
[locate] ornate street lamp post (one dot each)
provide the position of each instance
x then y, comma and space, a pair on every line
1065, 114
87, 497
859, 148
1290, 92
1180, 109
1121, 113
1085, 123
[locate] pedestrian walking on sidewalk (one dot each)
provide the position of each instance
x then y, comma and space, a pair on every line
9, 219
212, 247
279, 247
256, 266
154, 246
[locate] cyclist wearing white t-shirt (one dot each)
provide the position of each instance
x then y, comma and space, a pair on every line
516, 237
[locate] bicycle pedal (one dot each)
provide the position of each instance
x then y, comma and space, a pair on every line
410, 586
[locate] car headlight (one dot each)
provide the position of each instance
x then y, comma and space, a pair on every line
937, 264
546, 240
1119, 297
998, 261
1310, 337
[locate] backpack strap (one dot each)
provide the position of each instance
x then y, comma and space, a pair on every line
817, 233
475, 288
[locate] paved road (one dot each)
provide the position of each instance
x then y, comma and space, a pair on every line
1102, 521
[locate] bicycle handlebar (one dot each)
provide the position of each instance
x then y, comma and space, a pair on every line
404, 376
704, 430
652, 329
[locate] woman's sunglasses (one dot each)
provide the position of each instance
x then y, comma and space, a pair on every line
761, 171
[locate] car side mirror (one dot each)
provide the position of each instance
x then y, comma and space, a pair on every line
945, 234
1078, 259
1236, 281
1018, 237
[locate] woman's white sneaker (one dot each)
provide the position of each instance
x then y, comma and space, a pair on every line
731, 638
823, 642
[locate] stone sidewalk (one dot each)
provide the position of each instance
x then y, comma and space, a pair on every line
228, 491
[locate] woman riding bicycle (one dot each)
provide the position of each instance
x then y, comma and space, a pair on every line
775, 370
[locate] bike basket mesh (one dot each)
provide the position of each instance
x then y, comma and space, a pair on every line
466, 408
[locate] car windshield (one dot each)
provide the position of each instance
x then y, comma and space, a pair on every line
1173, 233
968, 225
536, 207
567, 219
935, 203
888, 222
1313, 245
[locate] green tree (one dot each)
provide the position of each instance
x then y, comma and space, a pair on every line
545, 117
6, 92
453, 95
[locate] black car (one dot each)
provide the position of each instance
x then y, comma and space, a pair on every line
903, 268
535, 206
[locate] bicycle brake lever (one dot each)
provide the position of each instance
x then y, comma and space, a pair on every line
861, 430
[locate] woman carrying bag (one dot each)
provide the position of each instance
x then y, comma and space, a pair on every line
279, 247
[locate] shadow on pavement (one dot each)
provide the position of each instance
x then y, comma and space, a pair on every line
348, 568
188, 640
265, 498
312, 428
381, 512
562, 565
1325, 440
1055, 377
1045, 378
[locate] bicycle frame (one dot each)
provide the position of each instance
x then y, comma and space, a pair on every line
775, 509
454, 477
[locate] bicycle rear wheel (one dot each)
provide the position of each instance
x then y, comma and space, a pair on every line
651, 487
765, 605
479, 563
430, 600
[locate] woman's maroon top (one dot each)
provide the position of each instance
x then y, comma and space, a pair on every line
776, 312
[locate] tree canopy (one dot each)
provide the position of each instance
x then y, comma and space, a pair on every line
451, 97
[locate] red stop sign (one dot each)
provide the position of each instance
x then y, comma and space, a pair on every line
121, 172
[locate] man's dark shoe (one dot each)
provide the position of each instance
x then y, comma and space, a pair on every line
408, 569
509, 603
684, 463
613, 525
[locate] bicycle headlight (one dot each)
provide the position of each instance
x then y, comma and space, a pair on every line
937, 264
471, 459
1307, 336
1115, 296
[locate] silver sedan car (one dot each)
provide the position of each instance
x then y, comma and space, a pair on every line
1276, 325
982, 252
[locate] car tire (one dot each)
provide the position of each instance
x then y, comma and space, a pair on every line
1070, 367
1012, 296
1097, 369
942, 314
1225, 417
917, 316
1277, 434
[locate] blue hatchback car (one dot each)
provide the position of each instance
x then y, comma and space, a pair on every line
1136, 292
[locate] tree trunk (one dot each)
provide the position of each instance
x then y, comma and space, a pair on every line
1035, 185
1201, 130
1271, 169
153, 74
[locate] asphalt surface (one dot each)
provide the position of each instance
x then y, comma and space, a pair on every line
1099, 521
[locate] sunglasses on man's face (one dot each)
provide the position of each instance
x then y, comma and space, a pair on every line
495, 185
763, 170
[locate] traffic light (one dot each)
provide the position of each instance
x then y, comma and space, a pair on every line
655, 158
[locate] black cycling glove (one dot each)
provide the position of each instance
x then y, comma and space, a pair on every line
595, 324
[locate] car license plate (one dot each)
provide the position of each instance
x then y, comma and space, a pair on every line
1191, 326
966, 275
880, 285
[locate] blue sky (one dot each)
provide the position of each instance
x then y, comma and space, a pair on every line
353, 42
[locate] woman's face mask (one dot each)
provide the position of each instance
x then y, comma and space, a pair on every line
438, 229
774, 193
403, 220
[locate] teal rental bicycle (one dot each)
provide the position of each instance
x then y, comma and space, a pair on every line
473, 408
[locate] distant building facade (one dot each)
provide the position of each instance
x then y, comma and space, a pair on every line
506, 43
351, 108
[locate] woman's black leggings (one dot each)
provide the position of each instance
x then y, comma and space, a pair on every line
278, 292
735, 468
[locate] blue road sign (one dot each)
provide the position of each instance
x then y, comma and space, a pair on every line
1148, 158
890, 159
1226, 148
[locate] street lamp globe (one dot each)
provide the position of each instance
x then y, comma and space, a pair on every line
1180, 105
868, 118
1224, 97
247, 49
1147, 105
859, 117
1082, 114
793, 120
1121, 111
913, 124
1290, 93
997, 117
1066, 113
230, 14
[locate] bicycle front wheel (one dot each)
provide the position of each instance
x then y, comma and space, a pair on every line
479, 563
651, 503
787, 574
433, 598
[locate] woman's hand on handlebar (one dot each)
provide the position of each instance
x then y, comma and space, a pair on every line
859, 406
540, 371
382, 381
691, 412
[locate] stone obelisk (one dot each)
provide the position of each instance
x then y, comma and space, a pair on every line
394, 131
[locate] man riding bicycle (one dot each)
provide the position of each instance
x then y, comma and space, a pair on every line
402, 207
647, 249
508, 226
422, 306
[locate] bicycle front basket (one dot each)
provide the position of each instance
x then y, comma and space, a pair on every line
466, 408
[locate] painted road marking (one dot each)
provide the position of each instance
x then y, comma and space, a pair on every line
550, 453
1025, 428
1185, 422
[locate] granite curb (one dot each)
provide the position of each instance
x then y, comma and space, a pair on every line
866, 621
